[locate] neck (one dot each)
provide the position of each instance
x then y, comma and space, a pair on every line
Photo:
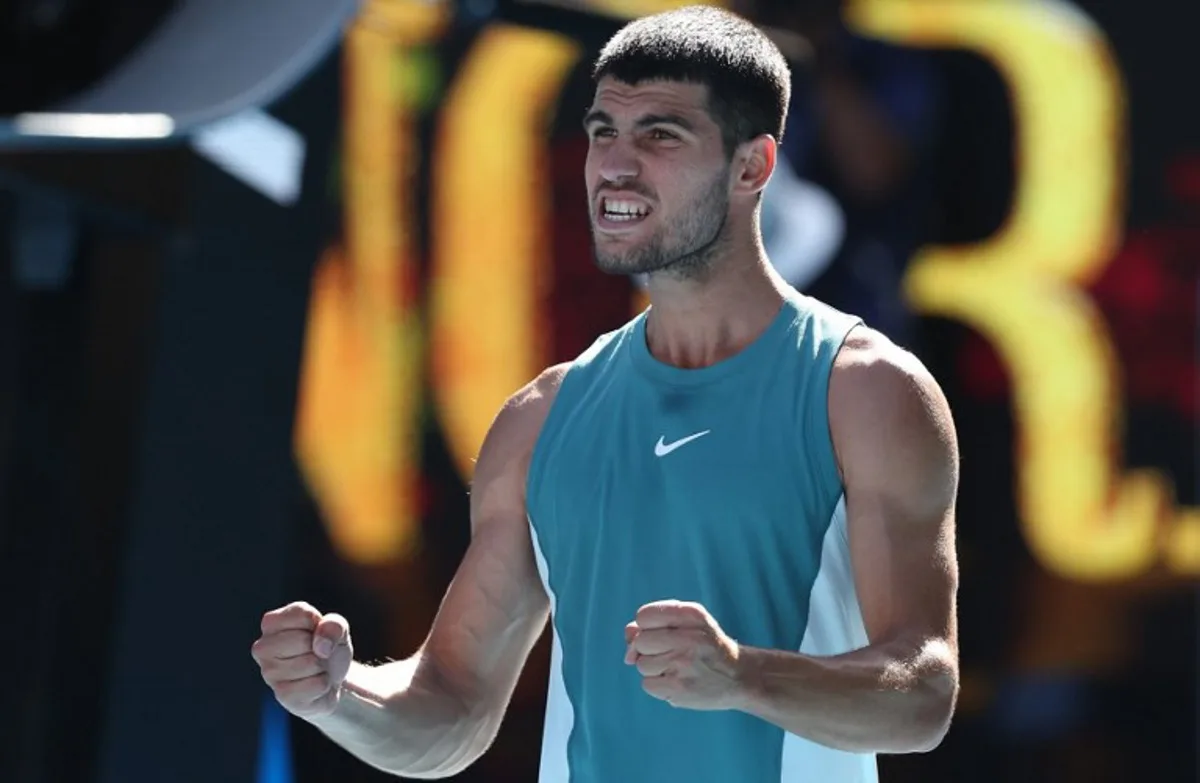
698, 322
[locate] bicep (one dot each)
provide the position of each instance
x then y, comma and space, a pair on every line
905, 571
496, 607
898, 453
492, 614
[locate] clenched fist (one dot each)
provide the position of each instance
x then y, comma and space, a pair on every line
684, 657
304, 656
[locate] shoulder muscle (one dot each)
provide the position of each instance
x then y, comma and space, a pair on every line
891, 424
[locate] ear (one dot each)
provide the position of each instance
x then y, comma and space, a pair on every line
754, 162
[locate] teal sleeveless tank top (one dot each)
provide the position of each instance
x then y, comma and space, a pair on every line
716, 485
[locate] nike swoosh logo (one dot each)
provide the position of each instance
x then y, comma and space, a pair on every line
663, 449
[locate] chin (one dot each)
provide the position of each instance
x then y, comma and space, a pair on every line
621, 262
610, 266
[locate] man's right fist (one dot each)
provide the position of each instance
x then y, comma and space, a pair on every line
304, 656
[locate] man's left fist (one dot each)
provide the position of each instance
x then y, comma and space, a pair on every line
684, 657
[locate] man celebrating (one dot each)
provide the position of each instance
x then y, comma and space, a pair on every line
755, 488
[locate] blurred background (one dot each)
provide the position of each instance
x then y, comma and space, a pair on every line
267, 270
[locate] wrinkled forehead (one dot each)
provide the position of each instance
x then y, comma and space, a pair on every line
623, 101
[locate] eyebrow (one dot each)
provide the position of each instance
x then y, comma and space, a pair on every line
598, 117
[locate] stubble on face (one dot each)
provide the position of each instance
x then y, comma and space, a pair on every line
684, 248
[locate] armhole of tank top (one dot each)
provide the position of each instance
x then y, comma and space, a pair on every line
537, 458
825, 460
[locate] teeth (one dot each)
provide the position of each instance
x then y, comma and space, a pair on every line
624, 210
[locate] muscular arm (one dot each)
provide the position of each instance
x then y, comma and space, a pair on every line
897, 450
432, 715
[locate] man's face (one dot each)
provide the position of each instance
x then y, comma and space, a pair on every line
658, 178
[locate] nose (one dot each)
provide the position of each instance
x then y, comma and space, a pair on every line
618, 163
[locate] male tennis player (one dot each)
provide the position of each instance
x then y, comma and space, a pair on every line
737, 510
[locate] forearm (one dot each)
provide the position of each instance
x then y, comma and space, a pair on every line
400, 718
896, 697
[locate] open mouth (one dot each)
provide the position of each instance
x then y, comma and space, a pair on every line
622, 212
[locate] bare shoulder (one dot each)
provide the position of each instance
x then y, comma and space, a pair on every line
533, 400
879, 382
498, 486
889, 417
520, 419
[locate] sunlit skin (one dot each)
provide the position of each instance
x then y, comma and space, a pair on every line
652, 146
655, 146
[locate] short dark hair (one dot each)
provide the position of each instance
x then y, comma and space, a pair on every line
748, 79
